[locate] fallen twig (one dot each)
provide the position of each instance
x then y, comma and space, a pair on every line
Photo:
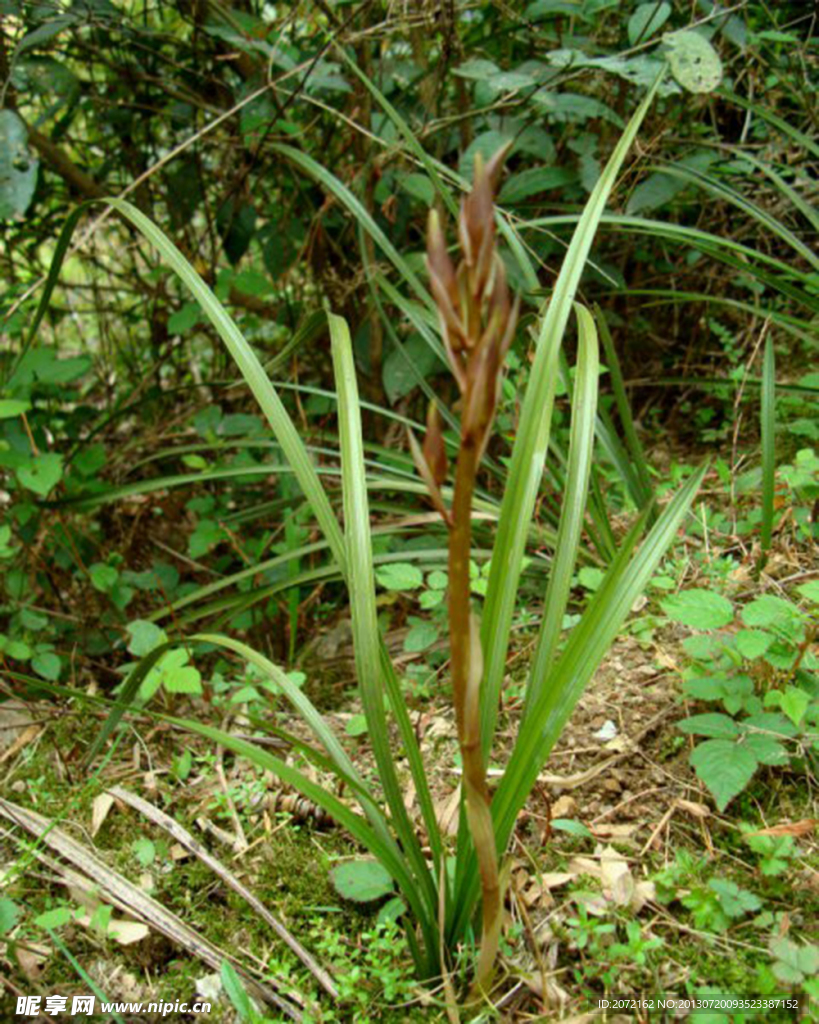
184, 838
132, 900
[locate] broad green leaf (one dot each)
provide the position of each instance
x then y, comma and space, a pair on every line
794, 960
10, 407
402, 368
103, 577
752, 643
572, 827
400, 576
662, 186
56, 918
590, 577
144, 851
90, 460
419, 186
422, 634
533, 181
700, 609
42, 473
694, 61
705, 688
9, 915
235, 991
47, 664
574, 107
793, 700
766, 749
769, 610
182, 679
647, 19
357, 726
771, 721
726, 768
183, 319
711, 724
18, 167
362, 880
45, 32
145, 636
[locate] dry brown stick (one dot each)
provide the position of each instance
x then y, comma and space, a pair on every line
119, 891
184, 838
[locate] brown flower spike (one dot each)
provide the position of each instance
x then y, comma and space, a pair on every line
476, 315
478, 322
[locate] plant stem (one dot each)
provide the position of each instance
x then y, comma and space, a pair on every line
466, 668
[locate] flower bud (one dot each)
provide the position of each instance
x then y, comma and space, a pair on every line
434, 449
476, 312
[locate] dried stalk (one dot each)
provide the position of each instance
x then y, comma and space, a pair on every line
477, 324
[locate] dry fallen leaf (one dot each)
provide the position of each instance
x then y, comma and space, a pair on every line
125, 932
30, 958
564, 807
795, 828
695, 810
99, 811
618, 885
585, 866
620, 833
446, 811
554, 879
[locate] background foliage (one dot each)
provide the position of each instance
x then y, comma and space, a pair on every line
291, 152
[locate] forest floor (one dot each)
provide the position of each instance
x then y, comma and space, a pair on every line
626, 882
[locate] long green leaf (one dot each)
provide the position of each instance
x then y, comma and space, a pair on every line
285, 432
581, 450
304, 707
252, 371
532, 440
366, 631
635, 449
586, 646
768, 432
807, 141
359, 212
763, 217
60, 252
414, 146
684, 234
357, 826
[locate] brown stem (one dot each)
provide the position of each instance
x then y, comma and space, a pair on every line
460, 543
466, 668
